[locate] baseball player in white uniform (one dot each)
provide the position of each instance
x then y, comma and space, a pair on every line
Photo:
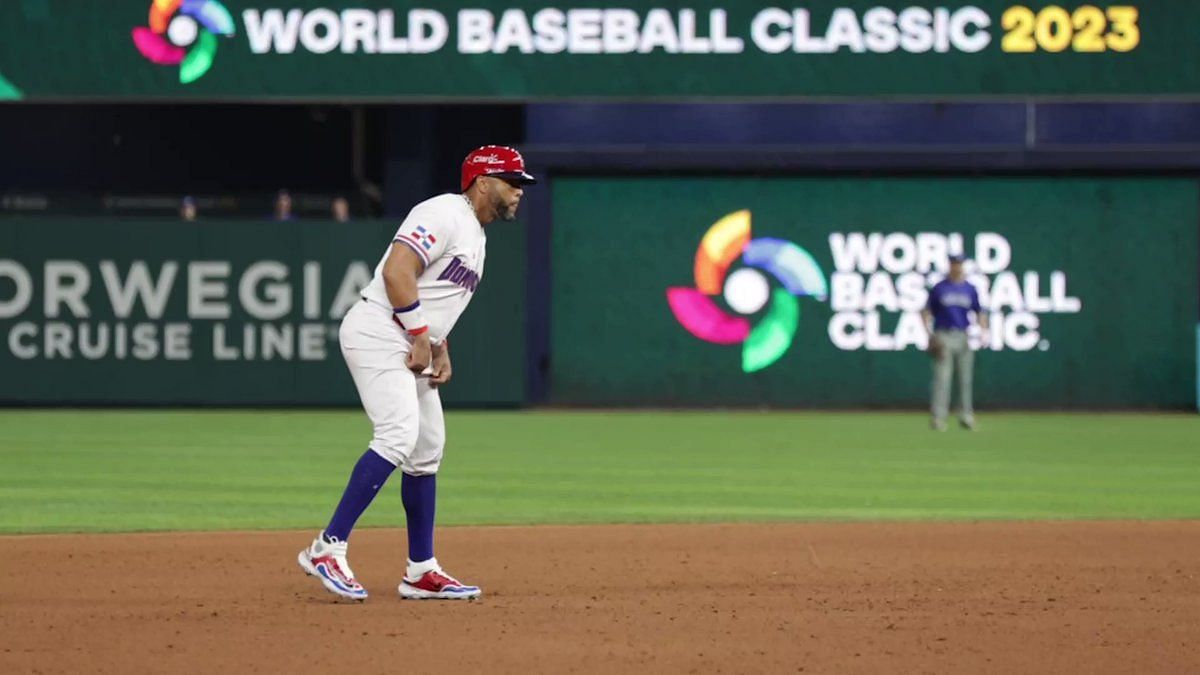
395, 344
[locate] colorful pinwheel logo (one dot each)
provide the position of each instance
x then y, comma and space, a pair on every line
178, 24
747, 291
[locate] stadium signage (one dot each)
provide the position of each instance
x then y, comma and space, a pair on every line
876, 293
531, 49
882, 279
221, 312
287, 316
551, 30
807, 290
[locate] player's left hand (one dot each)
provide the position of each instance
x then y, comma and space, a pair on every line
441, 365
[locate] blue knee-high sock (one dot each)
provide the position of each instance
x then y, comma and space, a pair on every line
369, 474
419, 494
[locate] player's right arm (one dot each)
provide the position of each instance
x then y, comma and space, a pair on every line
400, 272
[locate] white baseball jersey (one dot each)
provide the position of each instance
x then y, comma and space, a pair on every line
446, 235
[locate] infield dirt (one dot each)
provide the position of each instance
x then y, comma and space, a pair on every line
996, 597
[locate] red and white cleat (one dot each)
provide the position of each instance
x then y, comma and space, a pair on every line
326, 560
435, 584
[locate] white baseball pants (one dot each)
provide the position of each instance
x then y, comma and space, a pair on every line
410, 430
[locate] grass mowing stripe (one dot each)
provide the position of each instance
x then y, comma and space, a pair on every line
67, 470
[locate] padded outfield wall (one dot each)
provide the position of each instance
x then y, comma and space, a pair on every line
1093, 283
147, 312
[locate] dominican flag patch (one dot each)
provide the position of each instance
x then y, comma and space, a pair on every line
424, 237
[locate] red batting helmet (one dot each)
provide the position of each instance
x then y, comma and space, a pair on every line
495, 160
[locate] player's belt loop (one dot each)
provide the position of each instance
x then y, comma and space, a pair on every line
371, 302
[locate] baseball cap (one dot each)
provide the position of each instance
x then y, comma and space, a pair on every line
957, 258
495, 160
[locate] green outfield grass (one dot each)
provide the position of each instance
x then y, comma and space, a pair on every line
99, 471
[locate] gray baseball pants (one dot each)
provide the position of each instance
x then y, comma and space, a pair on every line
956, 354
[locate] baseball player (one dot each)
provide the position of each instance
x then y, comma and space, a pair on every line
947, 316
394, 342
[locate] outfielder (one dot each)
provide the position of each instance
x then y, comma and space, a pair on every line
394, 342
947, 316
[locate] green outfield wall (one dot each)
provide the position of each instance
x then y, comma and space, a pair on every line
1092, 282
135, 311
518, 50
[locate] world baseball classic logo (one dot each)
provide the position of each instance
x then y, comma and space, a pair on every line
176, 25
747, 291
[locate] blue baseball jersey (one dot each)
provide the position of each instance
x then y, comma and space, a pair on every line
950, 301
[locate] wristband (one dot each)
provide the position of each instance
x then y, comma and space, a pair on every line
411, 318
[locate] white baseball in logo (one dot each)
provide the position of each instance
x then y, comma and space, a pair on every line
182, 31
747, 291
